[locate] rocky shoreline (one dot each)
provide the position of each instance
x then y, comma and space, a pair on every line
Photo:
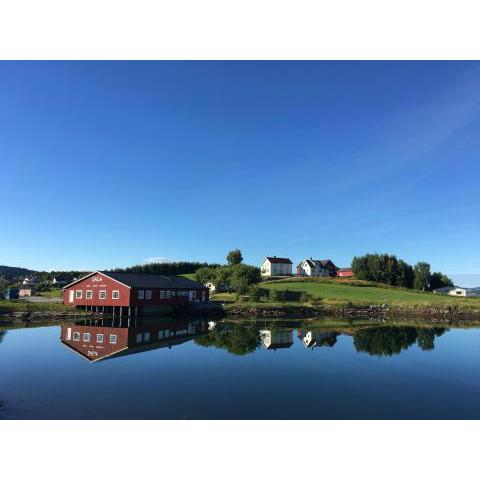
380, 312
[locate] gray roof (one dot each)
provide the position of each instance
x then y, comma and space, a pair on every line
148, 280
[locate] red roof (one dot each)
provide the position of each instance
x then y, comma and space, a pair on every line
279, 260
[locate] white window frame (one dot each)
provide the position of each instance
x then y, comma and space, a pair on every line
141, 295
139, 338
114, 337
76, 336
162, 294
88, 294
102, 295
100, 337
148, 294
146, 337
118, 295
78, 294
168, 294
86, 337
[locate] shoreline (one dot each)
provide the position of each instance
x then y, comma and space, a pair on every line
428, 314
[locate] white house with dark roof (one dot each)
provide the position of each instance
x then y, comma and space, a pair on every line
316, 268
276, 266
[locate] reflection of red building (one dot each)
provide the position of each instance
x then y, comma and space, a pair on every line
127, 290
97, 342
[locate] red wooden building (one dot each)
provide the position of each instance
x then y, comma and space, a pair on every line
344, 272
104, 291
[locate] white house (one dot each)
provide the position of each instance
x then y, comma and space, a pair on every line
276, 266
458, 291
211, 286
316, 268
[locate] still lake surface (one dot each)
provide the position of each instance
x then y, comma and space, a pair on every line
196, 369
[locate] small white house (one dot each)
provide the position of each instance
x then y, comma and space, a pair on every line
316, 268
211, 286
276, 266
458, 291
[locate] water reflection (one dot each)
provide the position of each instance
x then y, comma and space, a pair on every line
104, 339
244, 338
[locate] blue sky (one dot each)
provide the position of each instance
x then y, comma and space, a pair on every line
108, 164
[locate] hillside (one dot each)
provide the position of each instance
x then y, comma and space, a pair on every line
363, 292
10, 273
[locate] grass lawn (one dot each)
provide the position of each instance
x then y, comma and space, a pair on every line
190, 276
56, 293
7, 306
360, 292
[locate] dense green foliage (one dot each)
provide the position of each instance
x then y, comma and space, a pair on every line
234, 277
238, 339
174, 268
421, 278
385, 268
392, 340
234, 257
230, 278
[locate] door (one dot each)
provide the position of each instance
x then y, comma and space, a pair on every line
71, 295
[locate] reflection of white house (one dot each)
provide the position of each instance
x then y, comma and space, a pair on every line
273, 266
316, 268
458, 291
319, 339
276, 339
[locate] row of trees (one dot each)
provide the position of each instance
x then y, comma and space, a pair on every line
173, 268
385, 268
233, 277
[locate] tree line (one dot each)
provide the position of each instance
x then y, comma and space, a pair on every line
173, 268
385, 268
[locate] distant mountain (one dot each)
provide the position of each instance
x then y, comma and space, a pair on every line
9, 273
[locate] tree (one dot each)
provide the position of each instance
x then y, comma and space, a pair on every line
438, 280
421, 278
205, 275
405, 274
234, 257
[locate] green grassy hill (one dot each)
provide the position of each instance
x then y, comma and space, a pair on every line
363, 292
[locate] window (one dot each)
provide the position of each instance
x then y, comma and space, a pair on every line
162, 293
139, 338
173, 293
141, 294
146, 337
168, 294
148, 294
76, 336
88, 294
86, 337
78, 294
99, 337
160, 334
102, 294
115, 294
112, 339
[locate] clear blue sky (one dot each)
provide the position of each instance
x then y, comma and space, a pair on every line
107, 164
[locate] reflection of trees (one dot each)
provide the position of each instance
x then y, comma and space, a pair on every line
2, 335
238, 339
392, 340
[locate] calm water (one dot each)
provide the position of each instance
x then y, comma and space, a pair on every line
265, 370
